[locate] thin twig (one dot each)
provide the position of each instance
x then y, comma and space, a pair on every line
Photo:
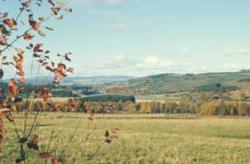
15, 128
27, 95
15, 40
33, 124
27, 111
20, 36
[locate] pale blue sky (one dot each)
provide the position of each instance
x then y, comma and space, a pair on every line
142, 37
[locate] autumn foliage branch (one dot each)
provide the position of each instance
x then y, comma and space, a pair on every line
24, 27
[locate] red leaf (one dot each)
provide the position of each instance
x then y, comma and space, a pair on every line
22, 81
45, 155
27, 36
67, 58
35, 25
51, 2
70, 70
55, 10
13, 89
20, 73
10, 22
37, 48
49, 68
115, 129
54, 161
45, 94
63, 161
2, 40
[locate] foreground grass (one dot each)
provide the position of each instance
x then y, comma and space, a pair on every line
141, 140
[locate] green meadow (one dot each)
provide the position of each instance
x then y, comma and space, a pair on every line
141, 139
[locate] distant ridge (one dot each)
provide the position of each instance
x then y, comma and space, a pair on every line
91, 80
158, 84
173, 82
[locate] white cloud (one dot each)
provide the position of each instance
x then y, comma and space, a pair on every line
121, 58
231, 66
154, 62
122, 64
151, 61
125, 65
233, 52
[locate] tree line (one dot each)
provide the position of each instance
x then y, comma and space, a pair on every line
206, 108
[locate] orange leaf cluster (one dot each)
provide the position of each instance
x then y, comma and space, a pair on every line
58, 160
19, 59
13, 89
89, 107
73, 104
36, 25
10, 33
45, 94
59, 72
58, 106
109, 136
54, 159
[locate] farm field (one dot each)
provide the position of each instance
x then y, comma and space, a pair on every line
142, 139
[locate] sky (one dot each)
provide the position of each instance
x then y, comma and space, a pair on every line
145, 37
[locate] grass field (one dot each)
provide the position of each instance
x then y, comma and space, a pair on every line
142, 139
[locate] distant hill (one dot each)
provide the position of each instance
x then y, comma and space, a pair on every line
157, 84
168, 83
92, 80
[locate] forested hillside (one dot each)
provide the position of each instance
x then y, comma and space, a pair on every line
169, 83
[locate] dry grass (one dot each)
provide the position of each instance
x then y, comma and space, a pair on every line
141, 140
